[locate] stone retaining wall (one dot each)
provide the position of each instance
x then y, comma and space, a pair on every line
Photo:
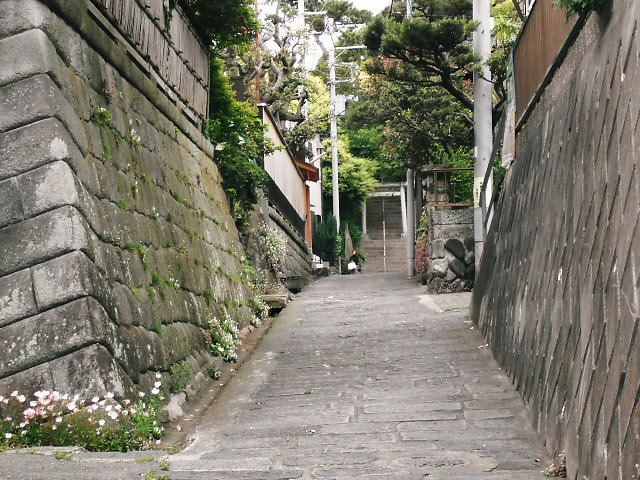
557, 295
116, 242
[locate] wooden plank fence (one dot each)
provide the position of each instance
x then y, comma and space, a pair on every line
178, 55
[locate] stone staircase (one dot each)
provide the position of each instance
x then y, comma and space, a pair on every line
387, 208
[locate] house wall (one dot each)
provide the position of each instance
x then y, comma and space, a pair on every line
557, 294
282, 169
116, 242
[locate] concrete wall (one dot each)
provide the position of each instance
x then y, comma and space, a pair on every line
452, 249
116, 241
557, 292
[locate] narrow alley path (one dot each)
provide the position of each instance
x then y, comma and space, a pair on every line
366, 377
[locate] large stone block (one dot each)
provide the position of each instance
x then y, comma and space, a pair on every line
34, 145
35, 98
37, 55
19, 15
38, 239
441, 216
452, 231
47, 188
68, 277
16, 297
437, 249
51, 334
10, 204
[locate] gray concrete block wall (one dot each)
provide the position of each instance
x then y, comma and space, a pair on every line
558, 292
94, 212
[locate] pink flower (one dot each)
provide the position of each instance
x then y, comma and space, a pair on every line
101, 422
95, 399
21, 398
58, 419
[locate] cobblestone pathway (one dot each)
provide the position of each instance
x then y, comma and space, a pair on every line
361, 377
367, 377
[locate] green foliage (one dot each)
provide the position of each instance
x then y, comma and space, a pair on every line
356, 174
180, 376
240, 140
99, 424
325, 238
580, 7
275, 249
224, 23
224, 337
213, 372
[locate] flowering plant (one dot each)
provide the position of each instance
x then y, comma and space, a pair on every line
97, 424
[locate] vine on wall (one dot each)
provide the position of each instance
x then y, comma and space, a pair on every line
580, 7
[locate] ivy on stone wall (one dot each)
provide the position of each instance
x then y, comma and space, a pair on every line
580, 7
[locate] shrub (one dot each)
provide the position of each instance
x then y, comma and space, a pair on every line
275, 249
224, 337
180, 376
97, 424
580, 7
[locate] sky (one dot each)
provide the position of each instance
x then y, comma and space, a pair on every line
375, 6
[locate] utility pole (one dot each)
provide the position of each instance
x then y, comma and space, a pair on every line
411, 215
334, 134
482, 112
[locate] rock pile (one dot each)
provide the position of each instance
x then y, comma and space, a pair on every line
453, 263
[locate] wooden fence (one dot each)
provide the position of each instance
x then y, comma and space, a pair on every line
177, 54
542, 38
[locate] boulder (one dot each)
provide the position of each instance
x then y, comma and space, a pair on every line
458, 267
469, 258
439, 268
470, 244
450, 276
456, 247
434, 284
437, 249
471, 272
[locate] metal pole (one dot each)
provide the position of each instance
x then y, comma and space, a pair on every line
334, 136
364, 219
411, 224
482, 111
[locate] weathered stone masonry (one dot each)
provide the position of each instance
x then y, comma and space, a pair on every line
557, 293
116, 241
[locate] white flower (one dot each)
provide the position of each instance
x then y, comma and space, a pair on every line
155, 391
8, 435
158, 376
95, 399
33, 403
109, 395
14, 394
58, 419
108, 408
101, 422
157, 385
141, 394
54, 427
21, 398
113, 415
